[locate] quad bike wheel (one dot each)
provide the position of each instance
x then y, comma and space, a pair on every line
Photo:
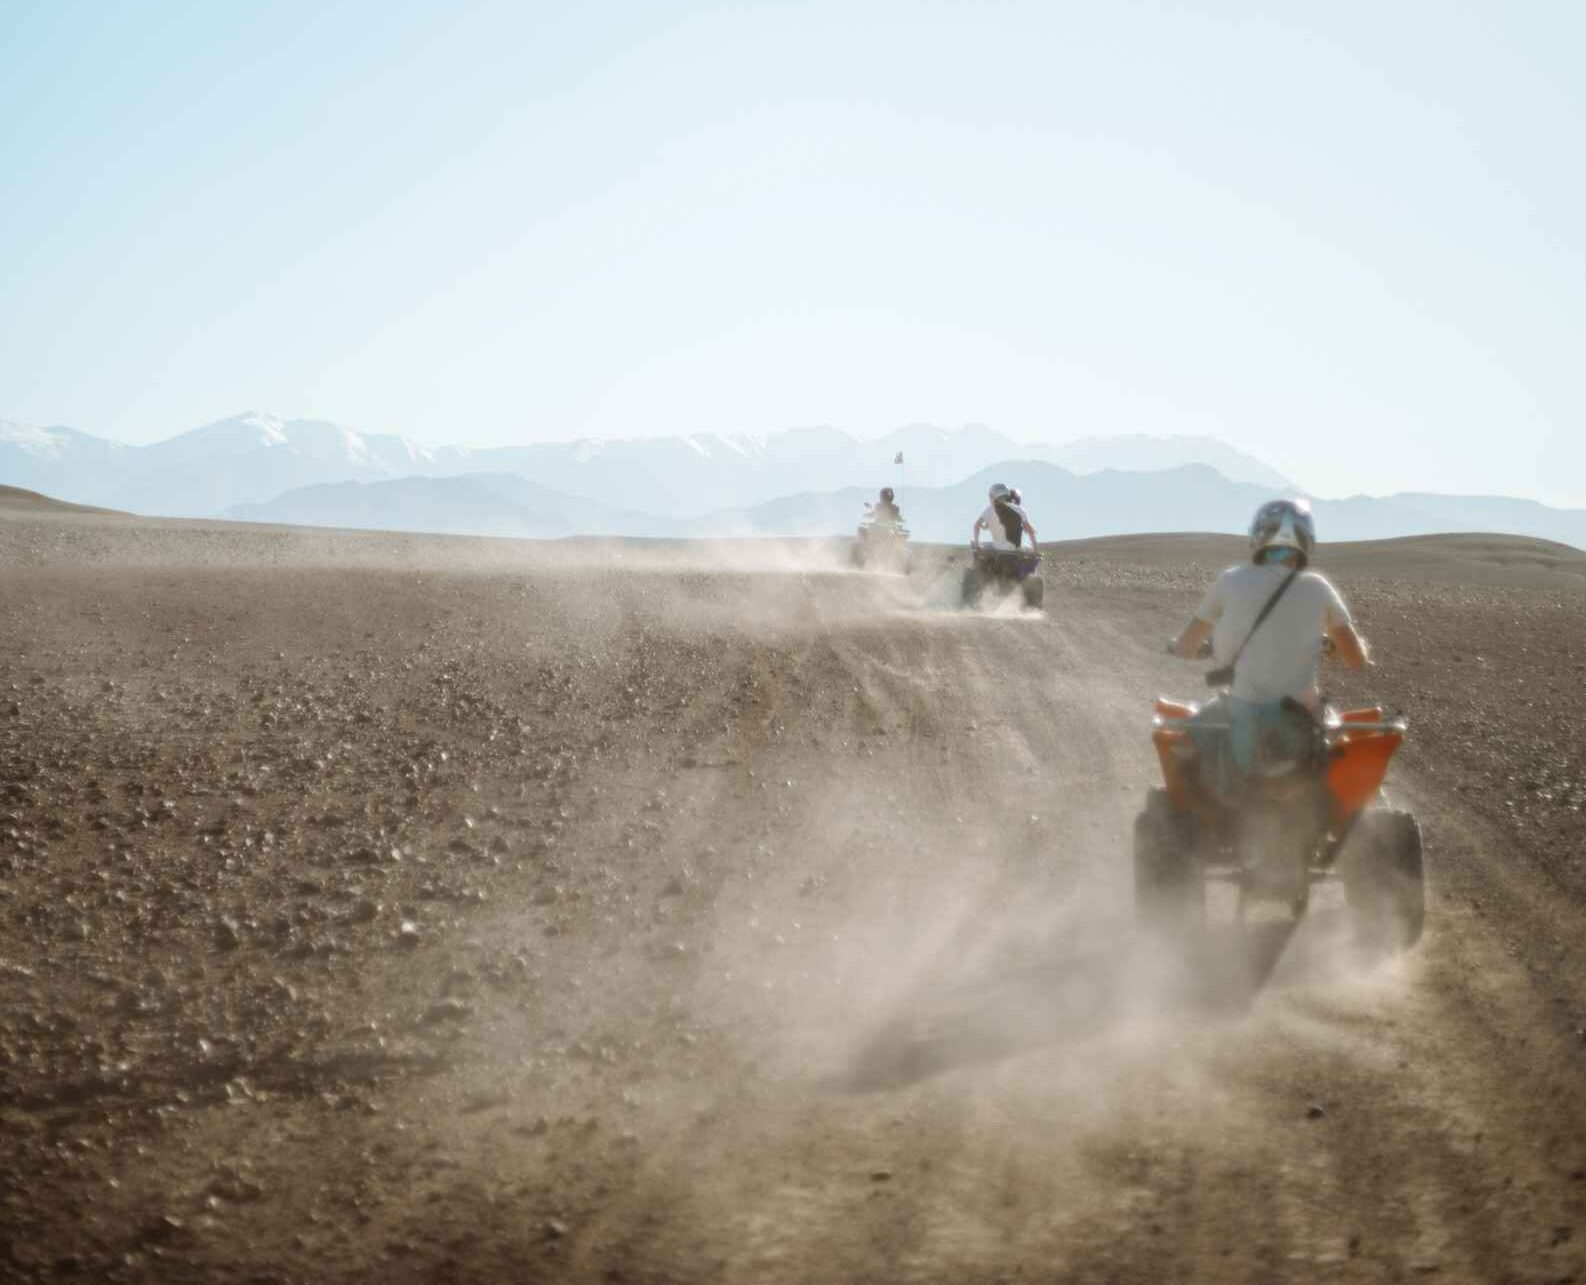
1034, 591
1169, 891
1384, 881
973, 584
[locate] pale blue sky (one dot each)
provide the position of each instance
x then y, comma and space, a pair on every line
1346, 237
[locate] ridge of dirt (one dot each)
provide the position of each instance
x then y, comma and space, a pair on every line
19, 499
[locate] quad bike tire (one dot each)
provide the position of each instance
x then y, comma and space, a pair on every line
1384, 880
1169, 890
1034, 591
856, 555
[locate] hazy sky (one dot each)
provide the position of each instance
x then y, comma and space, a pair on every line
1350, 238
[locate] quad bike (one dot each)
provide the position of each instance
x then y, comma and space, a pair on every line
1004, 570
882, 546
1297, 824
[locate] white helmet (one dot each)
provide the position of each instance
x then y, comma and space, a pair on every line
997, 492
1283, 524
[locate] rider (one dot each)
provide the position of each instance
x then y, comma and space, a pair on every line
1274, 701
1006, 519
885, 512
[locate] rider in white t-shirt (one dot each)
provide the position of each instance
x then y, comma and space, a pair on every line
1005, 519
1284, 655
1276, 674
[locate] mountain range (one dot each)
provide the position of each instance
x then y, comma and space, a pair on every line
499, 504
807, 481
252, 458
1063, 505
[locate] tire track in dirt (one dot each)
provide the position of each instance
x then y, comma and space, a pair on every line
769, 1224
1427, 1209
1416, 1076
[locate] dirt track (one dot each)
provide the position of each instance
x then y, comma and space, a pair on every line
434, 910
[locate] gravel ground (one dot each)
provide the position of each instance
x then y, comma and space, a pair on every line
465, 910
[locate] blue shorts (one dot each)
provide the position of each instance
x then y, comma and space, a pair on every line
1238, 739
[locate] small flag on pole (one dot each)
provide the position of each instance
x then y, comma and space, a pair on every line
898, 458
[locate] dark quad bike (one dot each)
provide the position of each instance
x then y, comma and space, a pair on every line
882, 546
1002, 571
1294, 829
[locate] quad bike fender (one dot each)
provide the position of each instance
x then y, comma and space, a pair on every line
1172, 743
1358, 762
1360, 745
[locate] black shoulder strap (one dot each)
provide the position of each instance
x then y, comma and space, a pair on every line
1264, 613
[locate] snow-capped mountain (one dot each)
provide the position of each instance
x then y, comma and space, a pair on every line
36, 458
693, 474
248, 457
251, 458
803, 481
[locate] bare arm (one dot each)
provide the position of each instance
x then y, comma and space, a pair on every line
1030, 527
1188, 644
974, 534
1349, 646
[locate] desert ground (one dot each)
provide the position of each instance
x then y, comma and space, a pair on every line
424, 909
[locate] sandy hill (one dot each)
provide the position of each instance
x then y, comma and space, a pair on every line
1456, 558
16, 499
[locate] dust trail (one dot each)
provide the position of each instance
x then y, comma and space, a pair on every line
976, 956
1074, 976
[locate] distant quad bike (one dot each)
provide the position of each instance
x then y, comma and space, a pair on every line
1002, 571
882, 546
1296, 826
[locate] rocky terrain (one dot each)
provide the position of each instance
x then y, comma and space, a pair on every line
424, 909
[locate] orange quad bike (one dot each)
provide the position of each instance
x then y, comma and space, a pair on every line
1294, 825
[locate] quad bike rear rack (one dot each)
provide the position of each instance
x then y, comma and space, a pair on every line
1358, 743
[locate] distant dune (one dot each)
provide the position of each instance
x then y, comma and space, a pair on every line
16, 499
1455, 558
